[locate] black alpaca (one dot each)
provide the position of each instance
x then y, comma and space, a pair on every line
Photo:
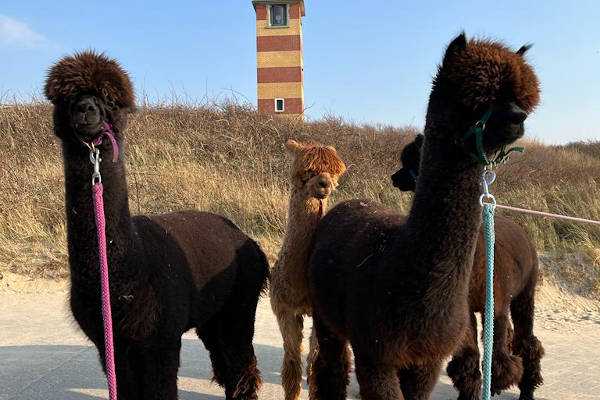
397, 287
168, 273
515, 279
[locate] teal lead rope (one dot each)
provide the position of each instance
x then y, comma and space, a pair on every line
489, 205
488, 202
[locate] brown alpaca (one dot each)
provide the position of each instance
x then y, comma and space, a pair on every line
314, 174
515, 279
397, 287
168, 273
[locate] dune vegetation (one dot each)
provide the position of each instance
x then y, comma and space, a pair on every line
227, 159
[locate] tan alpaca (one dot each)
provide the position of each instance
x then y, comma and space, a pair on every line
314, 175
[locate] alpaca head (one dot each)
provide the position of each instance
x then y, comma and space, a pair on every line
405, 178
475, 77
87, 90
315, 169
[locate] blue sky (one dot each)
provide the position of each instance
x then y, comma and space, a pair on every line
369, 62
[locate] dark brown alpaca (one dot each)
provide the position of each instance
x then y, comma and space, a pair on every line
397, 287
515, 279
168, 273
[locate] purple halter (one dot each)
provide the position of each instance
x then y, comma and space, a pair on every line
97, 141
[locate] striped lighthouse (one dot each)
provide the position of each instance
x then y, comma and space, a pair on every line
279, 57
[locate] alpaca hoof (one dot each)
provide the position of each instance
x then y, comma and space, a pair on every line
507, 370
465, 375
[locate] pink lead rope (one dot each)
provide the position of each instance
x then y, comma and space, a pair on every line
111, 376
545, 214
97, 192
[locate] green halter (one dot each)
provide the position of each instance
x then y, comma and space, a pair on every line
477, 131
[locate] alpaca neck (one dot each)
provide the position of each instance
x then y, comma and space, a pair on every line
445, 216
81, 226
303, 217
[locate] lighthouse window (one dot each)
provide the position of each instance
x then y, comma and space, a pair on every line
278, 15
279, 105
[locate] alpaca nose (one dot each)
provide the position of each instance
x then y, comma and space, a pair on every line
87, 107
324, 184
516, 114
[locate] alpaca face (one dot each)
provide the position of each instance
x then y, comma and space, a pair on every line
82, 116
405, 178
88, 89
316, 169
320, 185
87, 114
477, 76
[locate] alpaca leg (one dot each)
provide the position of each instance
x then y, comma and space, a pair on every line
463, 369
127, 371
160, 368
290, 326
377, 381
228, 338
510, 334
329, 378
313, 349
507, 368
233, 362
525, 344
417, 383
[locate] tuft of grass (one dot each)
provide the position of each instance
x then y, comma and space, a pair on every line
227, 159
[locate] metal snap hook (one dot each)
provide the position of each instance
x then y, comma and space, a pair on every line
95, 160
488, 177
489, 199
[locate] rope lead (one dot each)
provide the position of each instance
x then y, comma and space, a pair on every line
487, 178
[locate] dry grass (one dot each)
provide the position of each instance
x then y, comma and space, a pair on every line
229, 160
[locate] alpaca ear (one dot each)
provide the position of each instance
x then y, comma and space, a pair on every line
524, 49
331, 148
292, 146
455, 47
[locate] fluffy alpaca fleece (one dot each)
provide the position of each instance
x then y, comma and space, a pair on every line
397, 287
168, 273
314, 175
515, 279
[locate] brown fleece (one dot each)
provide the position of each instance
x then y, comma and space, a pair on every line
92, 73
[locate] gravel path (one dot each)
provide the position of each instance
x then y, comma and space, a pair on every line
44, 356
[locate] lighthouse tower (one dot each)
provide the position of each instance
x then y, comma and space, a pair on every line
279, 56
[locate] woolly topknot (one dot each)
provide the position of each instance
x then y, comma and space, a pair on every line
93, 73
315, 157
483, 70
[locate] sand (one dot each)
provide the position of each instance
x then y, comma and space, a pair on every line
43, 355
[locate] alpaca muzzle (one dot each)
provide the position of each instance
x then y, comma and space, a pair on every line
479, 128
87, 116
405, 179
99, 138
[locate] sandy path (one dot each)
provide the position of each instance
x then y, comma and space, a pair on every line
44, 356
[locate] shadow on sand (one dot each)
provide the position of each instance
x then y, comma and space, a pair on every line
48, 372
